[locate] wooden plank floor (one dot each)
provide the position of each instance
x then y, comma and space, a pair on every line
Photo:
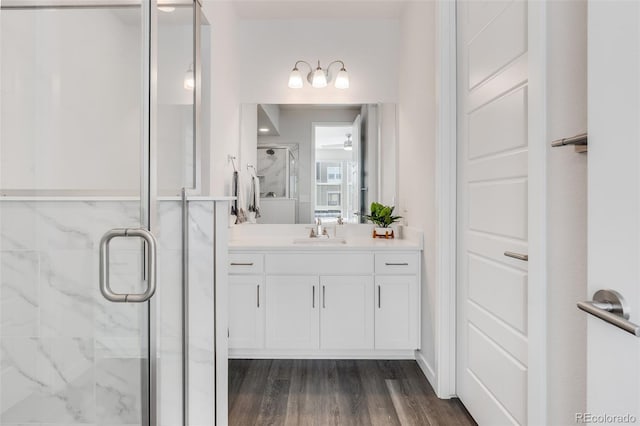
336, 392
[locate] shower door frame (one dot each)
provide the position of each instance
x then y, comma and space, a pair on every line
148, 165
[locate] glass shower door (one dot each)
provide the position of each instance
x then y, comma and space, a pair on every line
75, 162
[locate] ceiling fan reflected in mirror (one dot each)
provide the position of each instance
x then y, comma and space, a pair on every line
347, 145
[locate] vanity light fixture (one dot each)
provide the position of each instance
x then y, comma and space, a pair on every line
263, 129
319, 77
167, 9
348, 144
189, 79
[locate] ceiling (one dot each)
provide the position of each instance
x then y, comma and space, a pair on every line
331, 137
319, 9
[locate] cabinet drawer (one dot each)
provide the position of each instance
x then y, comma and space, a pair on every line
246, 263
319, 263
397, 263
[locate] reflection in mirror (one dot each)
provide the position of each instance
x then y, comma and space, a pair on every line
319, 161
176, 79
337, 171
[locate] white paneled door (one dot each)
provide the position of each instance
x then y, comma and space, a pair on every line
613, 355
493, 184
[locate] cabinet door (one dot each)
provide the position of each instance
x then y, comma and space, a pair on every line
292, 316
346, 313
396, 312
246, 312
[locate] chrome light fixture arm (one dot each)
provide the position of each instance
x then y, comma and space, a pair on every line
323, 76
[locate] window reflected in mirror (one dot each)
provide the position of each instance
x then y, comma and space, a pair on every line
320, 161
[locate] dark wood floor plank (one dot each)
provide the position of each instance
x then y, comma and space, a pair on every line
445, 411
405, 405
352, 404
337, 392
273, 408
379, 403
246, 404
324, 392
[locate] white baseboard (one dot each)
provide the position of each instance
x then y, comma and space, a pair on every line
335, 354
427, 369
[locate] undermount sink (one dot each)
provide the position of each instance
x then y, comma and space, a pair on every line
316, 240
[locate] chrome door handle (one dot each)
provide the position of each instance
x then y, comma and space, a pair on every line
610, 306
151, 251
518, 256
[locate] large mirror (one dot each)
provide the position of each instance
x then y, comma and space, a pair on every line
317, 161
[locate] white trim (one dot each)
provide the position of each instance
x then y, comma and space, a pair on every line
426, 368
537, 228
321, 354
446, 193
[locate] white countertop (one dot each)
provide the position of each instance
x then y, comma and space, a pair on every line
281, 244
281, 238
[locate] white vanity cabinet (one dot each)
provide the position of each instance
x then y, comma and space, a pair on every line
246, 313
324, 303
246, 301
346, 313
292, 312
397, 307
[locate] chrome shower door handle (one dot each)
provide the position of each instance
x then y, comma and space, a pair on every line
151, 252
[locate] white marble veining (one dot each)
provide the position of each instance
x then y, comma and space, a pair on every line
51, 380
68, 356
118, 390
201, 308
19, 293
273, 172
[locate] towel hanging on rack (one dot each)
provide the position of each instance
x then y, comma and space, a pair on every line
241, 198
234, 206
254, 200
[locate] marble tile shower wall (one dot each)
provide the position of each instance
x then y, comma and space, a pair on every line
68, 356
201, 381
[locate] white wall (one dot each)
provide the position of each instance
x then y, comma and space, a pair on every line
225, 103
268, 49
567, 217
72, 105
69, 121
175, 104
416, 151
388, 157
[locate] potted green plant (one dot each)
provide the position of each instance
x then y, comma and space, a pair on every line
382, 217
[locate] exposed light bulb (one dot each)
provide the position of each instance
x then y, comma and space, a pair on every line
190, 79
342, 79
295, 79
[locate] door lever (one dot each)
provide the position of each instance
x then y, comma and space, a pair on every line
524, 257
610, 306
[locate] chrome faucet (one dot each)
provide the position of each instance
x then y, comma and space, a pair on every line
318, 226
